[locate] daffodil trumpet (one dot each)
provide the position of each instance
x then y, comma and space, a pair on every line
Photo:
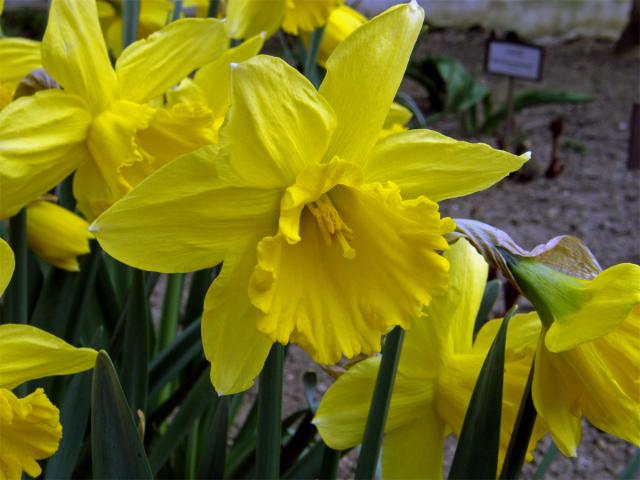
329, 237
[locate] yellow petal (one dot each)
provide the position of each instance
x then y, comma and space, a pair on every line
305, 15
30, 430
172, 132
214, 79
112, 143
273, 131
424, 162
376, 269
363, 76
423, 438
342, 22
57, 235
18, 57
555, 401
74, 53
343, 410
247, 18
230, 337
28, 353
606, 301
7, 265
41, 142
522, 336
149, 67
183, 217
398, 115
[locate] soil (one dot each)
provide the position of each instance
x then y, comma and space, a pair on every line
596, 197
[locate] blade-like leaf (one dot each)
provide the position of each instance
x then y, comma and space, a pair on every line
74, 416
309, 465
136, 345
116, 449
479, 443
547, 459
489, 298
214, 443
632, 469
201, 395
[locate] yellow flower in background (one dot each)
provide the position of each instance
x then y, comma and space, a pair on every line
306, 15
18, 57
154, 14
342, 22
587, 363
93, 125
328, 236
396, 121
7, 265
438, 368
57, 235
30, 427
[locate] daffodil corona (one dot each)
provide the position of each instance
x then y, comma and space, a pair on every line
328, 237
438, 368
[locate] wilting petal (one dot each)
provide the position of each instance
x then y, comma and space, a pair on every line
363, 76
149, 67
7, 265
28, 353
149, 229
231, 340
377, 270
343, 410
424, 162
74, 53
606, 301
57, 235
277, 125
423, 437
41, 142
247, 18
555, 401
306, 16
112, 143
30, 430
18, 57
214, 79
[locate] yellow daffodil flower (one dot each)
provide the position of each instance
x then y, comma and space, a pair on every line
587, 360
328, 236
30, 427
438, 368
342, 22
7, 265
306, 15
18, 57
396, 121
94, 125
57, 235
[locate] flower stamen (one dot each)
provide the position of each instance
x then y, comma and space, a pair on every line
332, 226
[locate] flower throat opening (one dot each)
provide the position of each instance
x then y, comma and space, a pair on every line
331, 225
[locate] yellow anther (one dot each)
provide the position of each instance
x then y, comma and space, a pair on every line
331, 225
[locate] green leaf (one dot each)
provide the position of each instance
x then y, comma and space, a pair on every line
200, 283
479, 443
533, 98
201, 395
116, 448
17, 306
309, 465
547, 460
269, 415
310, 68
632, 469
214, 443
134, 373
172, 360
74, 416
374, 429
489, 298
299, 441
330, 461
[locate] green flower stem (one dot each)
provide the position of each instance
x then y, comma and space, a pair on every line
548, 458
310, 62
269, 415
376, 420
17, 293
522, 430
130, 15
